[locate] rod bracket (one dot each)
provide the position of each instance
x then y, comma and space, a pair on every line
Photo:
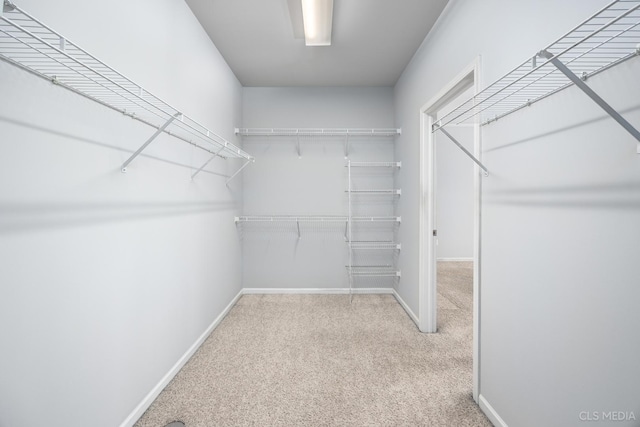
7, 6
545, 54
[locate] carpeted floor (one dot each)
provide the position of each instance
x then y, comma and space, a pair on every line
316, 360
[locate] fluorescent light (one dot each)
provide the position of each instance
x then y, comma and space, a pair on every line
317, 16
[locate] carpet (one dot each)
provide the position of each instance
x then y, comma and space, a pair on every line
317, 360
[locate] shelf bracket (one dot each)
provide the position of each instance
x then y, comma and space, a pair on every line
208, 161
298, 146
7, 6
239, 170
149, 141
594, 96
460, 146
298, 225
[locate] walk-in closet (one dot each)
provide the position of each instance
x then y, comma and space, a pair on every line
319, 213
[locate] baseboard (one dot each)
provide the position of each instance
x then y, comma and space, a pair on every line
320, 291
456, 259
153, 394
491, 413
406, 308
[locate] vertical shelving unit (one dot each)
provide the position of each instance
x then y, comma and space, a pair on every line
370, 254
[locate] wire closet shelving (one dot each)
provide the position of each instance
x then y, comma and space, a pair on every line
315, 218
608, 38
318, 131
31, 45
319, 134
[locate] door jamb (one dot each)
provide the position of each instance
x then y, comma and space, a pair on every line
427, 298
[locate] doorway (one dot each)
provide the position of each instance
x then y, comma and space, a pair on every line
465, 84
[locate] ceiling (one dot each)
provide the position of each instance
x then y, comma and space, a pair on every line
263, 40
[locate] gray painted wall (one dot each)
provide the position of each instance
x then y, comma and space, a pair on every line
560, 220
281, 183
108, 278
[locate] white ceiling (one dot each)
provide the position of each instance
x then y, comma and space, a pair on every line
263, 43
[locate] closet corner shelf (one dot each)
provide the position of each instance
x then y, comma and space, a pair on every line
608, 38
31, 45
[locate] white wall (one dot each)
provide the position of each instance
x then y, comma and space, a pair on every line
454, 188
280, 183
559, 231
454, 192
108, 278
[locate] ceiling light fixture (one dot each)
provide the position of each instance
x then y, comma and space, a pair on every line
317, 16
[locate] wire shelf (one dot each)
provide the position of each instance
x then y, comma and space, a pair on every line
312, 218
318, 132
364, 245
609, 37
373, 271
31, 45
383, 192
375, 165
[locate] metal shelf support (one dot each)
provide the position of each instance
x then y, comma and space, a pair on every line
239, 170
149, 141
460, 146
594, 96
207, 162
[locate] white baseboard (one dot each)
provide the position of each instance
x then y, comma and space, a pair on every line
404, 305
153, 394
321, 291
456, 259
491, 413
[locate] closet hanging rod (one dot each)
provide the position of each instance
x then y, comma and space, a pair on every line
609, 37
31, 45
318, 131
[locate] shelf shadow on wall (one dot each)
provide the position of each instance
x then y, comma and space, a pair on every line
562, 129
102, 144
28, 217
616, 195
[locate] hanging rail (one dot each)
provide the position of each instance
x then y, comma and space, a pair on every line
608, 38
34, 47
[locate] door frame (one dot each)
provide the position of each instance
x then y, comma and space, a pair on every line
427, 286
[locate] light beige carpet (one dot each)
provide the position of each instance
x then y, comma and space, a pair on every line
316, 360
